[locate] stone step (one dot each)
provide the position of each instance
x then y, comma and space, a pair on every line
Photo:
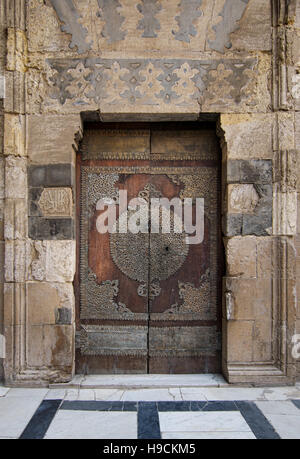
142, 381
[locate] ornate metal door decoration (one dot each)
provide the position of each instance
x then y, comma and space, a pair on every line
149, 302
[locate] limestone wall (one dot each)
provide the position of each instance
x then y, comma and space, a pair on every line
152, 60
2, 66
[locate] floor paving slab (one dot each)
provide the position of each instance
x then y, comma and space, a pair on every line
217, 421
171, 394
222, 394
93, 425
3, 391
16, 413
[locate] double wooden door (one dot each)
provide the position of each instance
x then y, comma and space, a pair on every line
148, 302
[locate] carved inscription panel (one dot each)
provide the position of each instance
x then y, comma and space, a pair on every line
56, 202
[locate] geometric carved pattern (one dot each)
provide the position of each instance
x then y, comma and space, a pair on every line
148, 81
149, 24
189, 13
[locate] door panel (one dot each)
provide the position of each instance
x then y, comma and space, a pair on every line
149, 302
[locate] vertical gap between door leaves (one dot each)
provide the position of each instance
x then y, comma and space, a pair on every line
149, 266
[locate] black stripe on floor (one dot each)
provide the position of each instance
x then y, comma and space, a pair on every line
41, 420
148, 421
148, 415
296, 403
98, 406
257, 422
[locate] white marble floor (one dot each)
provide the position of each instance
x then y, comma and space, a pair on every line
17, 407
93, 425
284, 417
177, 394
15, 414
217, 424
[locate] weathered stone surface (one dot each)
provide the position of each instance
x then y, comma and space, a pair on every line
254, 220
259, 225
251, 171
15, 304
262, 338
285, 131
242, 199
248, 136
16, 59
252, 298
239, 341
15, 85
63, 316
1, 219
51, 228
254, 31
53, 261
145, 86
15, 215
14, 134
17, 256
256, 171
265, 268
44, 32
15, 177
51, 175
114, 25
2, 253
297, 145
232, 225
2, 193
46, 148
230, 18
285, 213
49, 301
51, 346
241, 256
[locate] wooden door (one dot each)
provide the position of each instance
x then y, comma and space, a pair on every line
148, 302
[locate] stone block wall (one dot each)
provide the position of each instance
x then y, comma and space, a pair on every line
297, 239
2, 67
154, 60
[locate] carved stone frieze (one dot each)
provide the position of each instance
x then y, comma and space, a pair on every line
149, 24
189, 13
84, 82
173, 21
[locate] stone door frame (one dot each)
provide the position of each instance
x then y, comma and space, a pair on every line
281, 370
53, 261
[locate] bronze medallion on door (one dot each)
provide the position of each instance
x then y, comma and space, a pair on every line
148, 301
